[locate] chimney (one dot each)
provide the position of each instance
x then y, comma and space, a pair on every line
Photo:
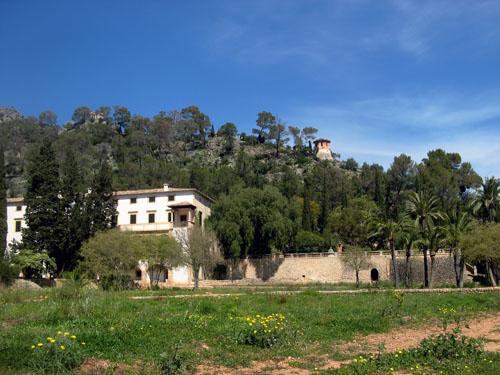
165, 187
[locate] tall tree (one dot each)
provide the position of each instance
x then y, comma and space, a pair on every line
44, 228
265, 121
228, 132
100, 206
423, 209
309, 134
3, 206
389, 230
121, 118
486, 204
72, 210
296, 134
400, 181
306, 207
456, 227
199, 243
279, 134
47, 118
81, 115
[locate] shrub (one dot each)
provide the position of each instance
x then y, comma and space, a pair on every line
56, 355
263, 330
8, 272
309, 242
176, 363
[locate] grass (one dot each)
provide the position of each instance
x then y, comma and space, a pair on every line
206, 330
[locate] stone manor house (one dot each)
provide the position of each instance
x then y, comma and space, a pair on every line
165, 210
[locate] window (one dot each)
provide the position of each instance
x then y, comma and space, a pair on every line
19, 208
133, 219
18, 225
151, 218
200, 218
152, 199
183, 217
169, 217
171, 198
133, 200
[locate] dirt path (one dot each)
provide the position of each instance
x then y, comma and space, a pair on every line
487, 327
350, 291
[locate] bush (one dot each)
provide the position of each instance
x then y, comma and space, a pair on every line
8, 272
263, 330
60, 354
309, 242
175, 364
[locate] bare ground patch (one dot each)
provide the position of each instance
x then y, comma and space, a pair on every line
487, 327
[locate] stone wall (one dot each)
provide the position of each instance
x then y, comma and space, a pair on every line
331, 269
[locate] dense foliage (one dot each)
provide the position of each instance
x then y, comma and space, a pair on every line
271, 196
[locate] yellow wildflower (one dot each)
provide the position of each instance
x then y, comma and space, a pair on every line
62, 347
73, 337
66, 333
33, 346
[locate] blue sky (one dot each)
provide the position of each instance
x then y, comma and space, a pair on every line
377, 77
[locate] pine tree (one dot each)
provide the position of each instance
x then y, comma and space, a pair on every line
44, 228
3, 206
100, 205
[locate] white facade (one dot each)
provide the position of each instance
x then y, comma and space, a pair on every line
145, 211
15, 220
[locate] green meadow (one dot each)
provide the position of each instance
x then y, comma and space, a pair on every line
173, 332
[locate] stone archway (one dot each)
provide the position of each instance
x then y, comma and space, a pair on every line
374, 275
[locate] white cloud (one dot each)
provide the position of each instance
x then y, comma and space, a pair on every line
378, 129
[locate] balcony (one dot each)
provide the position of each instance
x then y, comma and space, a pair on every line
152, 227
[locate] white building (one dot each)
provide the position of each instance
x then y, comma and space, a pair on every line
144, 211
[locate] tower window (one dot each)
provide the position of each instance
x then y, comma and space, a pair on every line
133, 200
133, 219
171, 198
19, 208
183, 217
169, 217
18, 225
152, 199
151, 218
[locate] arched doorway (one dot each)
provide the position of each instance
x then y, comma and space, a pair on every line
374, 275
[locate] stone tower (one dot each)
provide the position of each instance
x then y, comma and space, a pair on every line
322, 148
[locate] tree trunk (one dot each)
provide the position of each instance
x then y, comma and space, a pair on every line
407, 268
431, 268
196, 277
426, 269
459, 265
490, 275
357, 278
394, 265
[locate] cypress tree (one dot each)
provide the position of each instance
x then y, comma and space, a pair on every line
3, 206
306, 208
71, 207
100, 205
44, 227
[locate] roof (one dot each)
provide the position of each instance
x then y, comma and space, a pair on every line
322, 140
15, 200
161, 190
138, 192
182, 205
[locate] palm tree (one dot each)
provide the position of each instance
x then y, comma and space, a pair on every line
424, 210
455, 226
388, 230
486, 205
409, 236
431, 239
